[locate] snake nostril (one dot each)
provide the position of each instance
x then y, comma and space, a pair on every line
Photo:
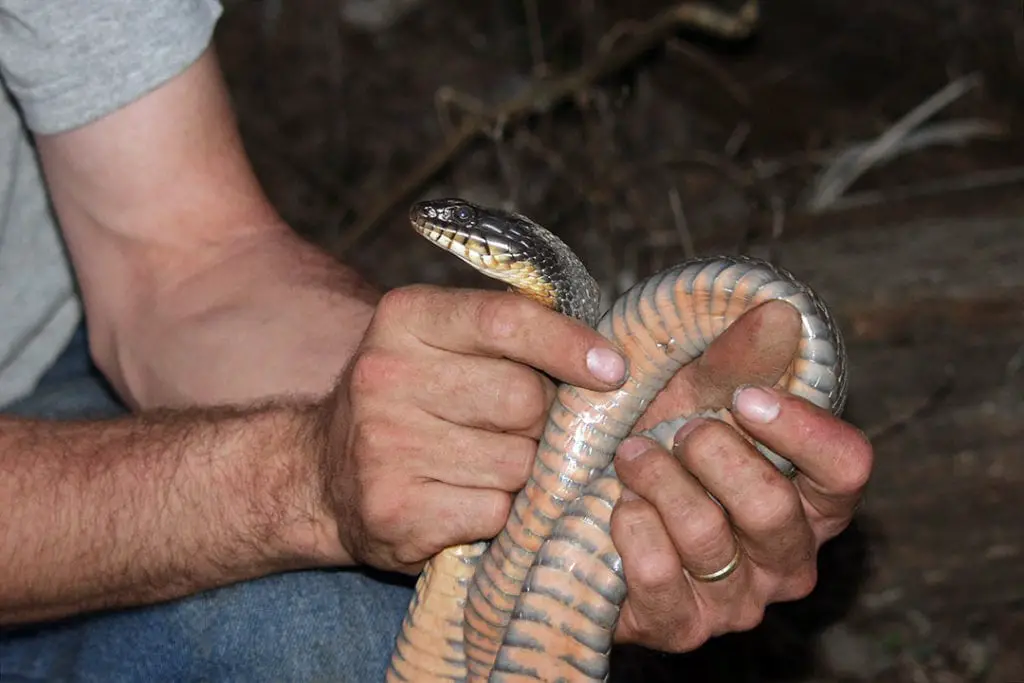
421, 211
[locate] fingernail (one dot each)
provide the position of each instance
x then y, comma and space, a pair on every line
685, 430
756, 404
633, 447
606, 365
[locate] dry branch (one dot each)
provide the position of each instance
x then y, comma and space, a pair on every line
543, 95
839, 176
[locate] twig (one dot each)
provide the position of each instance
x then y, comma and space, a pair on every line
930, 401
543, 95
682, 228
838, 177
737, 139
536, 38
778, 209
554, 161
956, 132
970, 181
1016, 362
728, 83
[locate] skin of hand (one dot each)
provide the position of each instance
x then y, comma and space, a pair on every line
437, 417
667, 528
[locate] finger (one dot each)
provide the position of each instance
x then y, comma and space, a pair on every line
492, 395
503, 324
764, 507
487, 393
480, 459
833, 457
697, 526
450, 516
434, 450
660, 610
757, 348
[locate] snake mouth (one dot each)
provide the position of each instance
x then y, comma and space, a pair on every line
490, 240
468, 231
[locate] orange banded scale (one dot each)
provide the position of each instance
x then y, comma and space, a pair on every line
540, 602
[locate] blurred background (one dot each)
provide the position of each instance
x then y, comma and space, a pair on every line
873, 148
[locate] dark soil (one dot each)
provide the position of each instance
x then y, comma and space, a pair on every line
709, 146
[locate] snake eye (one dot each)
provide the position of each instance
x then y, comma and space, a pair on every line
464, 214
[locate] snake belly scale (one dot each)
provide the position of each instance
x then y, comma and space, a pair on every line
541, 601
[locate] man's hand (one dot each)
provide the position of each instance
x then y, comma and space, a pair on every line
668, 530
438, 414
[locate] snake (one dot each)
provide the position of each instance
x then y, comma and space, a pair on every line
541, 601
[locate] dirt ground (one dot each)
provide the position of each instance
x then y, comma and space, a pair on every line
793, 144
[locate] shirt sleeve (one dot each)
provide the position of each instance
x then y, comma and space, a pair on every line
70, 62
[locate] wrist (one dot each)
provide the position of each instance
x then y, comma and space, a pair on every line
307, 533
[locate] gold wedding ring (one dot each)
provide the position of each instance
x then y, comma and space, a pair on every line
724, 572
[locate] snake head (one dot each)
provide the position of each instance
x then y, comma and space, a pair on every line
513, 249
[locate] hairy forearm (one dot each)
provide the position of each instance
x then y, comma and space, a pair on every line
152, 507
275, 317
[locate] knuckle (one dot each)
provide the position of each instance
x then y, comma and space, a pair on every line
706, 442
494, 521
382, 513
398, 301
801, 584
657, 572
523, 399
414, 554
682, 631
627, 519
707, 531
405, 555
485, 519
775, 509
373, 370
419, 547
688, 639
857, 467
501, 317
645, 474
749, 618
521, 465
371, 436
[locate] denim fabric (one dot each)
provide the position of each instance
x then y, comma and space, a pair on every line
334, 626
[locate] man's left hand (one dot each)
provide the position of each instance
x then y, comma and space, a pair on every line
670, 532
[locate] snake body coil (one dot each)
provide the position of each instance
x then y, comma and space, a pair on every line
541, 601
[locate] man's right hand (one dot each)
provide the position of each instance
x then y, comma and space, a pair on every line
435, 421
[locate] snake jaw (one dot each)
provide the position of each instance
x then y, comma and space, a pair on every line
513, 249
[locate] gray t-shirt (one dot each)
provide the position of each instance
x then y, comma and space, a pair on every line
65, 63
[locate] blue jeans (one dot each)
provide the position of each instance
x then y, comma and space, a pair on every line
334, 626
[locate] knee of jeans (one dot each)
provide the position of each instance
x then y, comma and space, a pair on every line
305, 626
336, 625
